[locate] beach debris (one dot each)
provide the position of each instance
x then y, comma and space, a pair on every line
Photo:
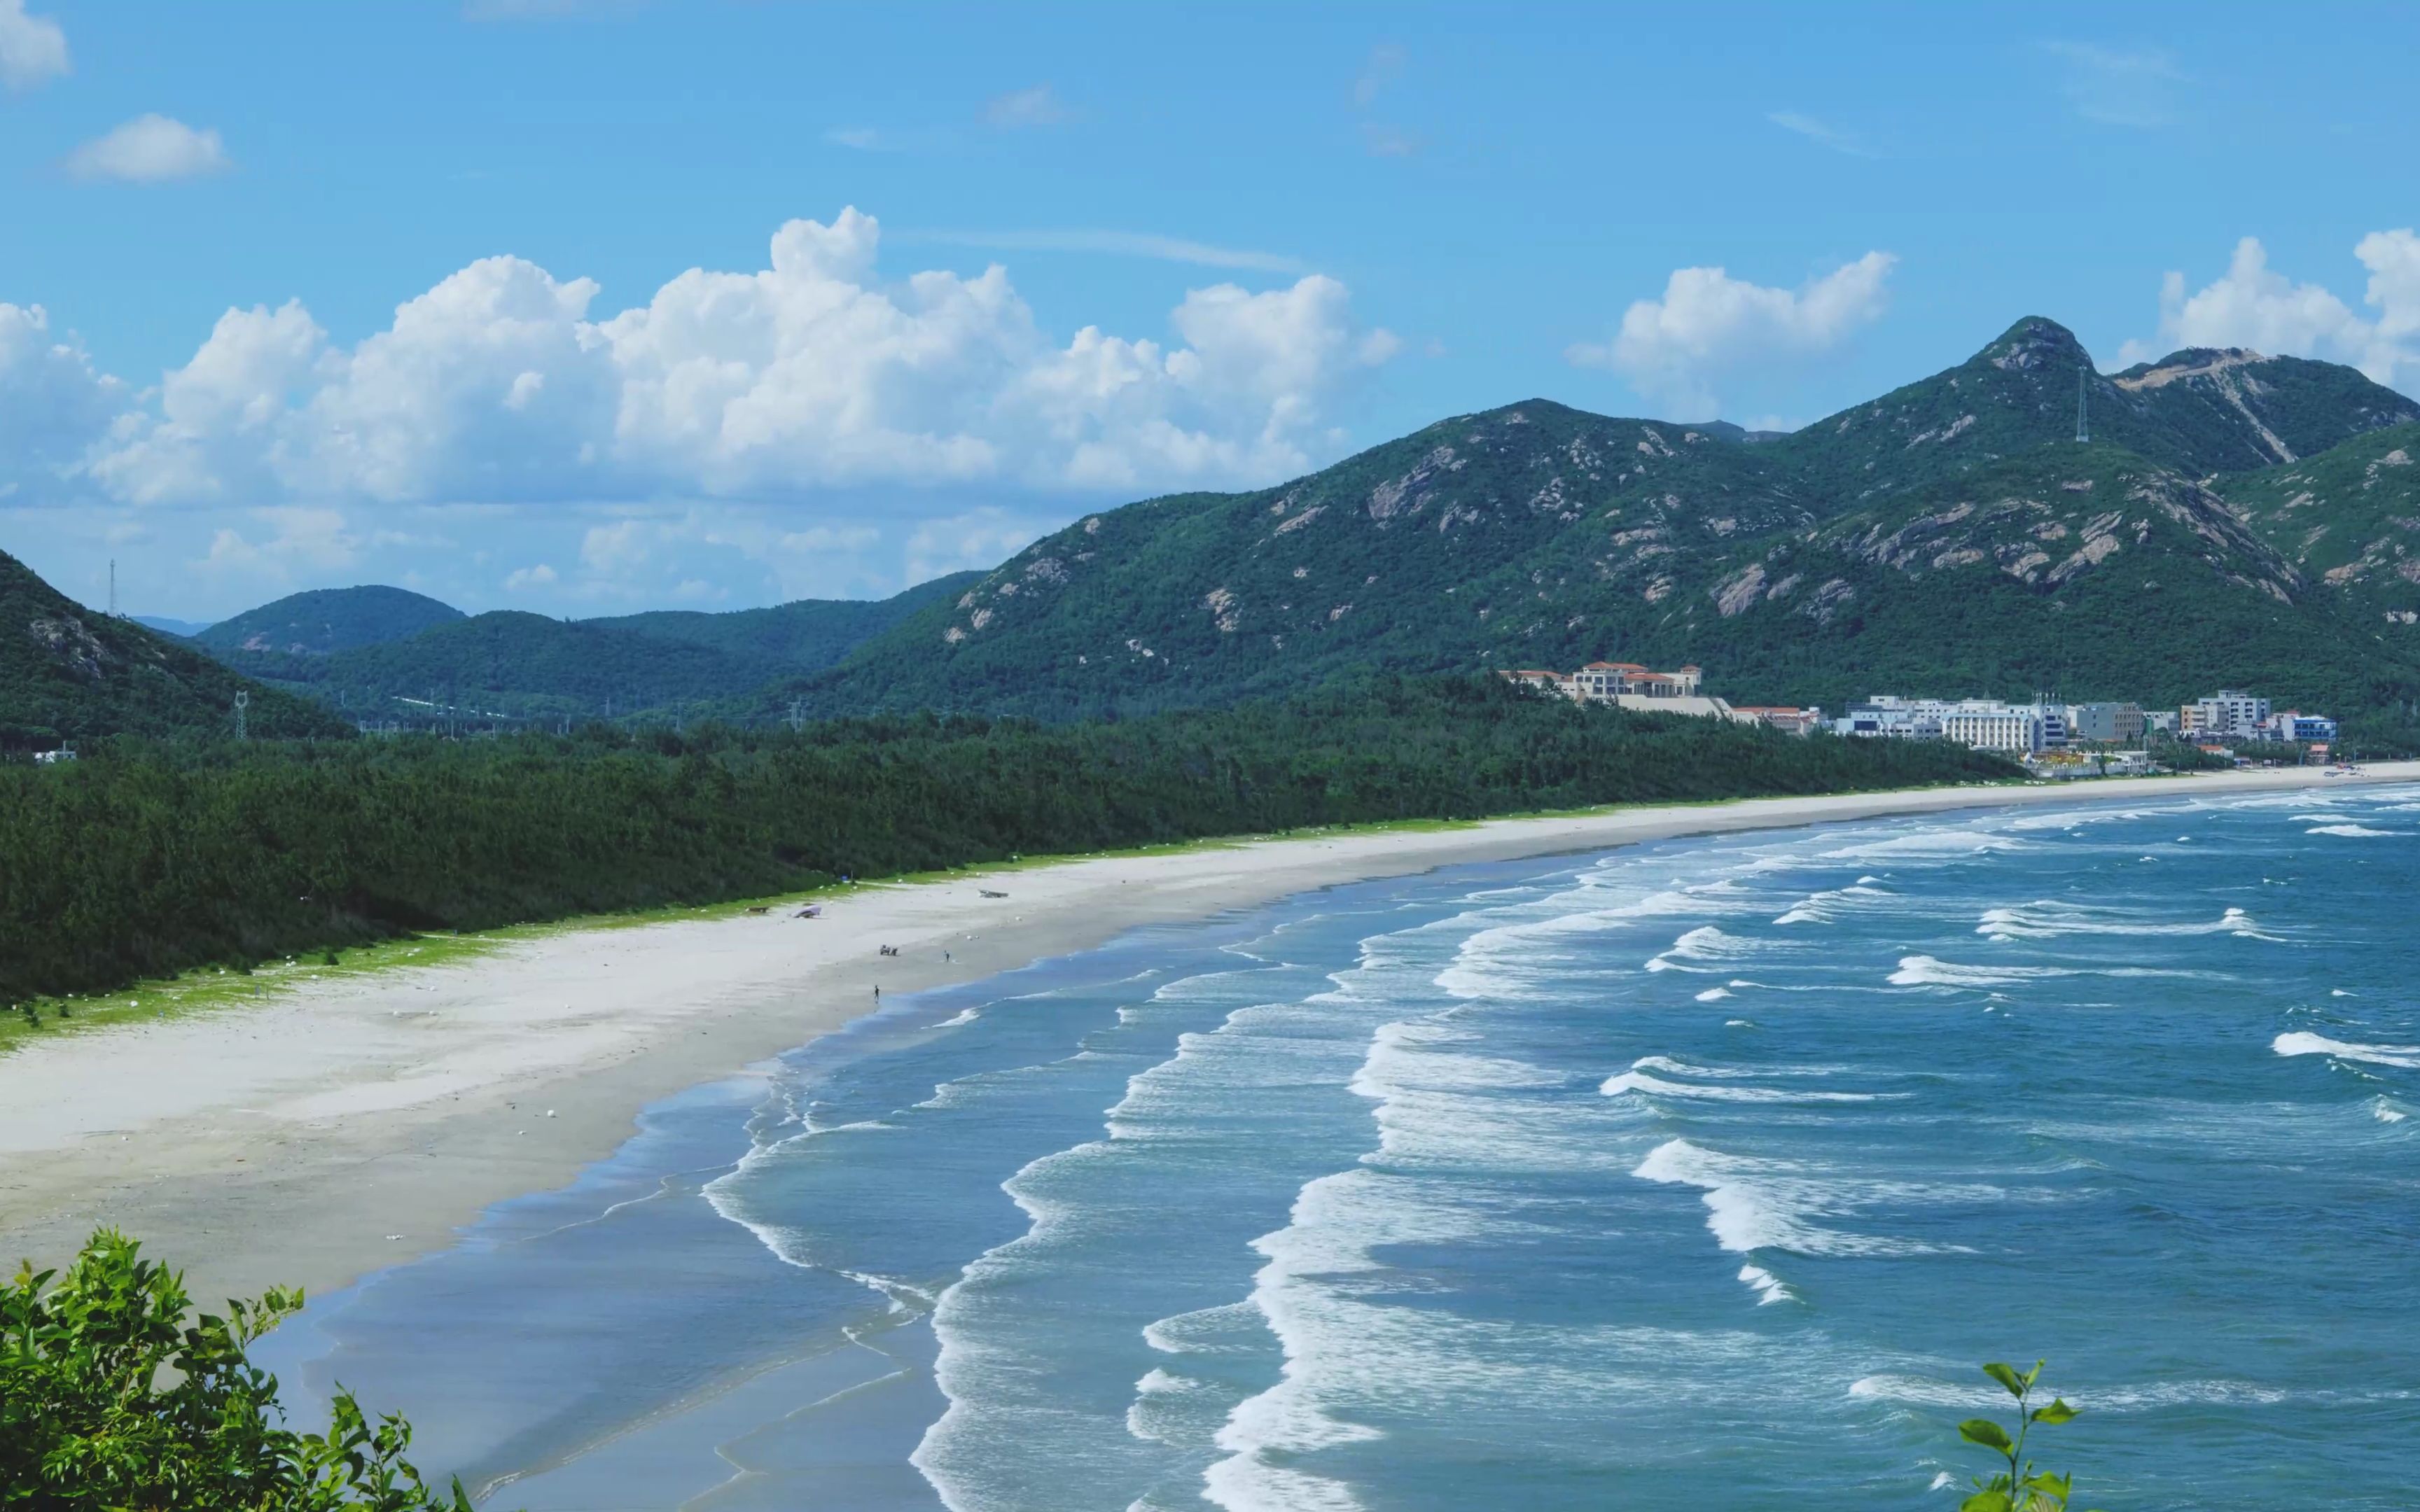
810, 911
989, 893
760, 908
393, 1237
549, 1113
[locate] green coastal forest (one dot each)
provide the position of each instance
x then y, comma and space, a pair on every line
148, 857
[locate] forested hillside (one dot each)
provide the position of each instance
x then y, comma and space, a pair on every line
804, 635
70, 674
1952, 537
2348, 520
145, 858
327, 620
513, 667
386, 656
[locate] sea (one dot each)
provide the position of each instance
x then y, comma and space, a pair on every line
1696, 1175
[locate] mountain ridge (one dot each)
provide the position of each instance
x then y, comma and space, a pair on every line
1803, 568
68, 673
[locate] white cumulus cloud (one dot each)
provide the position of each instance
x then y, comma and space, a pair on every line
150, 149
32, 47
2254, 305
1709, 326
501, 385
53, 404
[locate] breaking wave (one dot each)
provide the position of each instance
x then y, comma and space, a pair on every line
2302, 1042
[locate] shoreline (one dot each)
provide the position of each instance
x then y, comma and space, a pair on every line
361, 1119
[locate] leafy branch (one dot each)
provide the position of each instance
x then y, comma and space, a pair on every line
2021, 1488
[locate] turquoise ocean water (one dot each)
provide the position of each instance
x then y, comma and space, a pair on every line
1691, 1176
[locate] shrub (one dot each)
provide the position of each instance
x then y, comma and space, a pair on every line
110, 1399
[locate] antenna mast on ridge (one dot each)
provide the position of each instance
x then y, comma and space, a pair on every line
2083, 431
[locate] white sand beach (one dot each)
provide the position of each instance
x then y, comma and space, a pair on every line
341, 1125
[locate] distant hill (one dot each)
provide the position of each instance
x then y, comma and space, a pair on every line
68, 673
802, 635
512, 666
185, 630
327, 620
1950, 537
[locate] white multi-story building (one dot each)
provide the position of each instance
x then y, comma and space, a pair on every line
2107, 725
1610, 680
1630, 685
1890, 716
1988, 725
2227, 715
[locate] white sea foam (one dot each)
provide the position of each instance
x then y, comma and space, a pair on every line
1714, 995
2301, 1042
1926, 843
1499, 961
2050, 919
2386, 1110
2354, 831
1926, 1391
1639, 1081
968, 1015
1236, 1328
1769, 1289
1827, 907
1738, 1024
1171, 1409
1926, 971
1697, 949
1759, 1204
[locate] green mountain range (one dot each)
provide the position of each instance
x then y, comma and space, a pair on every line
512, 666
2234, 520
68, 675
1950, 537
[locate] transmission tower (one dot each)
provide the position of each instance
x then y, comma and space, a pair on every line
113, 588
243, 701
2083, 431
797, 715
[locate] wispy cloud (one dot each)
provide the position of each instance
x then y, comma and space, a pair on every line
1382, 139
2116, 87
863, 138
1022, 108
1823, 134
1386, 63
1114, 243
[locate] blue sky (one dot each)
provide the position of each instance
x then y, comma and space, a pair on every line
297, 296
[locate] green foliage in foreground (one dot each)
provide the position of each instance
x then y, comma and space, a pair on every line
111, 1400
2021, 1488
145, 859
